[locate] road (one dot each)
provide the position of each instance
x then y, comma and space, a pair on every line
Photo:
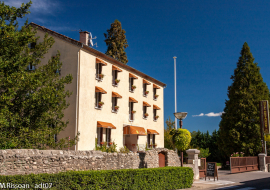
255, 180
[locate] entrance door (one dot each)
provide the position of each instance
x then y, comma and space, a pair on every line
161, 157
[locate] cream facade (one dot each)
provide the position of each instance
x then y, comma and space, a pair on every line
104, 122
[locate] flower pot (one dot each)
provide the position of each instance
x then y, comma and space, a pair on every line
110, 143
101, 142
155, 146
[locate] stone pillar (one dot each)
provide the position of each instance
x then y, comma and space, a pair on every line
193, 159
262, 163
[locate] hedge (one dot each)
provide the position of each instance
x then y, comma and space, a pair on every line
131, 179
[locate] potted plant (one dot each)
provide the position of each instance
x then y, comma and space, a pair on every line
116, 108
100, 104
155, 145
156, 117
146, 114
117, 81
156, 96
150, 145
133, 111
101, 76
110, 143
133, 87
102, 143
146, 92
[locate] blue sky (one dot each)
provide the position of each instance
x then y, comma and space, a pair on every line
205, 36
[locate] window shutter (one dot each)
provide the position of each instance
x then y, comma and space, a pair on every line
113, 103
116, 73
148, 139
98, 135
154, 139
101, 134
144, 110
113, 77
110, 132
100, 68
97, 68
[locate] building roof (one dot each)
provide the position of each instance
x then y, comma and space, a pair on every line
97, 53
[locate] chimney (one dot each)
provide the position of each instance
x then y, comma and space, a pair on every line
84, 37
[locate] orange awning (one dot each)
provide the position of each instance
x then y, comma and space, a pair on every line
116, 68
132, 76
105, 125
156, 107
114, 94
132, 130
100, 61
151, 131
132, 100
146, 82
98, 89
156, 86
146, 104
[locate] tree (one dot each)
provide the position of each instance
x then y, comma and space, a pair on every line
168, 143
31, 101
116, 42
240, 124
181, 138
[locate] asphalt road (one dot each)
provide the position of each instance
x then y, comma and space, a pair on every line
255, 180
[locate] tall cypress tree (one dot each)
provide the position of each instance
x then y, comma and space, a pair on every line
31, 100
240, 124
116, 42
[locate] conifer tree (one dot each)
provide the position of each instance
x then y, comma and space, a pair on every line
116, 42
31, 100
240, 124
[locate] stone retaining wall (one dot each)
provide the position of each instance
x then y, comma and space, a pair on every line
26, 161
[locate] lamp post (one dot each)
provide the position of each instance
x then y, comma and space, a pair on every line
175, 107
181, 116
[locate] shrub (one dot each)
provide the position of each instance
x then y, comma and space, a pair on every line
124, 150
146, 178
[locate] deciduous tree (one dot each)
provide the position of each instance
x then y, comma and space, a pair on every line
32, 96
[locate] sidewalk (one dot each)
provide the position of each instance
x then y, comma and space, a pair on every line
210, 184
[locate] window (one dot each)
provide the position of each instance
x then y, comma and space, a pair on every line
108, 136
98, 103
99, 75
32, 45
148, 140
144, 89
99, 135
131, 111
155, 114
114, 78
55, 135
145, 114
151, 140
30, 67
154, 93
131, 82
114, 104
131, 85
145, 83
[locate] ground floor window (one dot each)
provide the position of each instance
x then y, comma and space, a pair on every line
151, 140
103, 135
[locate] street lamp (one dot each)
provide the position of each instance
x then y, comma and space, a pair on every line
181, 116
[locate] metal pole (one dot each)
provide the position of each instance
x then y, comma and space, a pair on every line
182, 154
175, 123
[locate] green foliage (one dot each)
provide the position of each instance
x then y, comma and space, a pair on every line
135, 179
116, 42
201, 140
124, 150
204, 153
168, 142
105, 148
240, 124
31, 102
181, 138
